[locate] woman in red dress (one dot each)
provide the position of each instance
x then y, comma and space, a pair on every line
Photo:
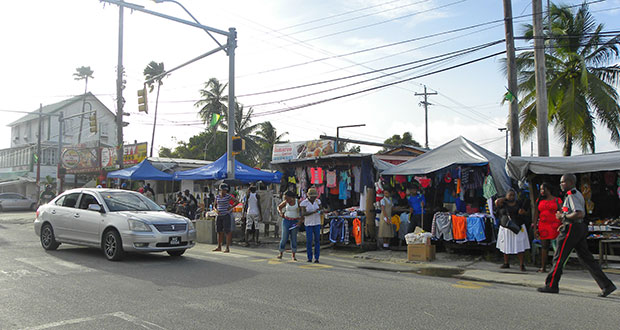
547, 224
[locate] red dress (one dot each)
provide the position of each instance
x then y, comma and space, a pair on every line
547, 222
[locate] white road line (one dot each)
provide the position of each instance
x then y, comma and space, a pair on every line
68, 322
137, 321
121, 315
55, 266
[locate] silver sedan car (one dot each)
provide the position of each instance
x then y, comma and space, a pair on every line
117, 221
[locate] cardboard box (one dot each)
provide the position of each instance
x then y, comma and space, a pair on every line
420, 252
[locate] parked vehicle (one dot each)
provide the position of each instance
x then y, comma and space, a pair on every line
15, 201
117, 221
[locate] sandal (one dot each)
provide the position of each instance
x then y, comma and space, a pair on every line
279, 257
541, 270
523, 268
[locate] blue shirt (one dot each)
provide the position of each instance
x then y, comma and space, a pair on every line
414, 203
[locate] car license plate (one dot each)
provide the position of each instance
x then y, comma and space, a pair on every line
176, 240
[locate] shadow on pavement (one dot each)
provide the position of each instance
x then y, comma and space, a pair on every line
158, 268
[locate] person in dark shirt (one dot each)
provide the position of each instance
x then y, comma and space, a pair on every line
47, 195
192, 205
416, 203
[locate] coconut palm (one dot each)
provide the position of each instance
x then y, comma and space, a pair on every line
154, 73
269, 136
83, 73
213, 102
581, 80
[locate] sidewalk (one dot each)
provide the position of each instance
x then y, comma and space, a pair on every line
467, 267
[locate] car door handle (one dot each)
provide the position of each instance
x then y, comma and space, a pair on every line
53, 211
77, 215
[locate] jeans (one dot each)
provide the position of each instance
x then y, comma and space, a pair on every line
286, 225
313, 233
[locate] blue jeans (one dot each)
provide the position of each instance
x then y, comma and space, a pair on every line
313, 233
286, 232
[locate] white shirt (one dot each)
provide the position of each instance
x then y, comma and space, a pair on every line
313, 219
252, 201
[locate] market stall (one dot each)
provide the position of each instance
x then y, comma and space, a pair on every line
598, 180
458, 182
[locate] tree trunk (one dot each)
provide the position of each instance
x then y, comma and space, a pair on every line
568, 145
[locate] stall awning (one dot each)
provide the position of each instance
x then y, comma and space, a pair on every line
459, 151
142, 171
519, 167
217, 171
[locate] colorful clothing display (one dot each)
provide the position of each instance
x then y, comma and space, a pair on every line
330, 177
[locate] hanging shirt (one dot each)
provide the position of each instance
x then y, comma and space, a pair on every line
488, 188
316, 175
331, 179
357, 176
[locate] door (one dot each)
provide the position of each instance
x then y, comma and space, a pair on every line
86, 222
62, 215
22, 202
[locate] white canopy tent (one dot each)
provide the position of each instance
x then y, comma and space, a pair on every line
519, 167
459, 151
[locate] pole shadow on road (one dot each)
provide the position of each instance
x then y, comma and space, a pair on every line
160, 269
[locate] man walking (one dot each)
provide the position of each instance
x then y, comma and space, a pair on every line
223, 222
252, 215
573, 233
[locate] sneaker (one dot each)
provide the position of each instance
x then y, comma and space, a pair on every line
309, 260
607, 291
316, 261
546, 289
505, 266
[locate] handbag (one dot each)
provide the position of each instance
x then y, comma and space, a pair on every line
507, 222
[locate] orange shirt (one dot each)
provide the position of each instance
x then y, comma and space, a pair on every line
459, 227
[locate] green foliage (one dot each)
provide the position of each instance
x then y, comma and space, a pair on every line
83, 73
397, 140
154, 69
582, 76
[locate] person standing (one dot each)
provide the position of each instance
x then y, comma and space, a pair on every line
311, 210
546, 226
192, 205
47, 195
507, 241
291, 220
573, 233
386, 232
252, 214
416, 208
223, 221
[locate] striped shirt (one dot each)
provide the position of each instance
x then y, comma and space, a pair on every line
223, 204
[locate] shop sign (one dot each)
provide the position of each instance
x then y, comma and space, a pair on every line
134, 153
80, 160
301, 150
108, 158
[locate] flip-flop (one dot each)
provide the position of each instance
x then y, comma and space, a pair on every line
279, 257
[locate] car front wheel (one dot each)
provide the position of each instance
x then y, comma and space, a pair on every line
176, 253
112, 245
48, 241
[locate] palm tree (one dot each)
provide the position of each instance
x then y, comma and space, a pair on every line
213, 102
269, 136
83, 73
154, 72
581, 80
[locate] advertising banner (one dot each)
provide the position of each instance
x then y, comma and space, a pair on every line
301, 150
80, 160
133, 154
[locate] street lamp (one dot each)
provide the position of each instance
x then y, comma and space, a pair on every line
501, 130
338, 133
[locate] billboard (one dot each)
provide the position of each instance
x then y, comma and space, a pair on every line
133, 154
80, 160
301, 150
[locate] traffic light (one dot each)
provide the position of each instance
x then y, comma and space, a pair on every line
238, 145
142, 101
92, 120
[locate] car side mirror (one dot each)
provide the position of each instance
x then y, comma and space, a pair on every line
96, 208
163, 207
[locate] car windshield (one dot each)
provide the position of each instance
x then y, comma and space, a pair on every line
128, 201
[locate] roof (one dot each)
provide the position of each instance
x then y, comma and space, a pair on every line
406, 150
459, 151
520, 167
142, 171
54, 107
217, 171
330, 156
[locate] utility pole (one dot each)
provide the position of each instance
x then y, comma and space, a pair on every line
39, 152
119, 90
542, 113
501, 130
59, 175
231, 45
426, 104
513, 121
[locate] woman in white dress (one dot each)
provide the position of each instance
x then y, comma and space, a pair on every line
507, 241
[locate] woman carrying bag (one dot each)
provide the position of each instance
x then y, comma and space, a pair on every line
512, 237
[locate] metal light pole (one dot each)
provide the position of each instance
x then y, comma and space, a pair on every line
230, 157
39, 152
59, 176
119, 90
501, 130
336, 147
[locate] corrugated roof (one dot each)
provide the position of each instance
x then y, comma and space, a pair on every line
52, 108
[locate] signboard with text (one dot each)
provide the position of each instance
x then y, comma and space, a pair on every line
301, 150
90, 160
80, 160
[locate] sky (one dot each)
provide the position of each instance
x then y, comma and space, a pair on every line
281, 44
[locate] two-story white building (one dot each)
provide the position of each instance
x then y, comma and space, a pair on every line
17, 163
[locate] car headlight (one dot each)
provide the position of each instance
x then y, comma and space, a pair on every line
190, 225
137, 225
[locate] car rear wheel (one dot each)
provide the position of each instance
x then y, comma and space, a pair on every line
176, 253
112, 245
48, 241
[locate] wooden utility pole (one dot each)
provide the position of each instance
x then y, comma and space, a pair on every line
119, 90
542, 112
513, 119
426, 104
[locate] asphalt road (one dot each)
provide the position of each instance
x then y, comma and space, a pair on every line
76, 288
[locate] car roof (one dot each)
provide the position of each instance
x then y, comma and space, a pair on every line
97, 190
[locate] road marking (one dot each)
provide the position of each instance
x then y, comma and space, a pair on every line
123, 316
19, 274
316, 266
471, 285
55, 266
274, 261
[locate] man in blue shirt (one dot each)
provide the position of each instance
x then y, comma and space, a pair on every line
416, 202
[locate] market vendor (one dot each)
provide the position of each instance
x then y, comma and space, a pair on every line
416, 202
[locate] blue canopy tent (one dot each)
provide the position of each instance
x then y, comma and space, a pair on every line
217, 171
143, 171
